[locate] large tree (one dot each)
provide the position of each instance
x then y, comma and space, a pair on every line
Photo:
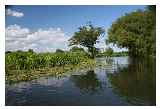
59, 51
135, 31
77, 49
87, 36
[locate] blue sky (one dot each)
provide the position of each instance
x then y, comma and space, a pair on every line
33, 21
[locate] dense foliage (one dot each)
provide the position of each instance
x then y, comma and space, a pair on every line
30, 60
59, 51
77, 49
135, 31
87, 37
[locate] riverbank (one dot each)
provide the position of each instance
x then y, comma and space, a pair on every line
27, 75
29, 65
114, 54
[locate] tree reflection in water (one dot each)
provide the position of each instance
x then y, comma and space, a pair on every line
137, 82
87, 83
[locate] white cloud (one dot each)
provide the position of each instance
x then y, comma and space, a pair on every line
15, 31
102, 45
42, 40
116, 48
13, 13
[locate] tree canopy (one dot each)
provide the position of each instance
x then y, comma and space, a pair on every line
75, 49
135, 31
59, 51
87, 36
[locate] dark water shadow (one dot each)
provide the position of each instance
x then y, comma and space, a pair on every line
137, 82
87, 83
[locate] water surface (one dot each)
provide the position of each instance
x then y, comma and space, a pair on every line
123, 81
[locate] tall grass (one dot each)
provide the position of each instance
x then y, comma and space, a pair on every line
25, 66
31, 60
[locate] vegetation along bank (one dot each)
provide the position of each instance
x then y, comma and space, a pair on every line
24, 66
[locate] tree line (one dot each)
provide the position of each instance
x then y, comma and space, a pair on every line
135, 31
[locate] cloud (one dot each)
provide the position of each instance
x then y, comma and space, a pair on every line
15, 31
102, 45
41, 40
116, 48
13, 13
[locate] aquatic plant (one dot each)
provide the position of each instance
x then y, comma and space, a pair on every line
24, 66
29, 60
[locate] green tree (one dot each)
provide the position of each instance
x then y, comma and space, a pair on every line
87, 37
59, 51
30, 50
8, 52
75, 49
151, 10
109, 51
135, 31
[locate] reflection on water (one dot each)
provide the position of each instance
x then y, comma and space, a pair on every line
137, 82
122, 81
88, 82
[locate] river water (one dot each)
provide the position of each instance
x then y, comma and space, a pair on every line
123, 81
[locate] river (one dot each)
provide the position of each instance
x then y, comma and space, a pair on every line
123, 81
